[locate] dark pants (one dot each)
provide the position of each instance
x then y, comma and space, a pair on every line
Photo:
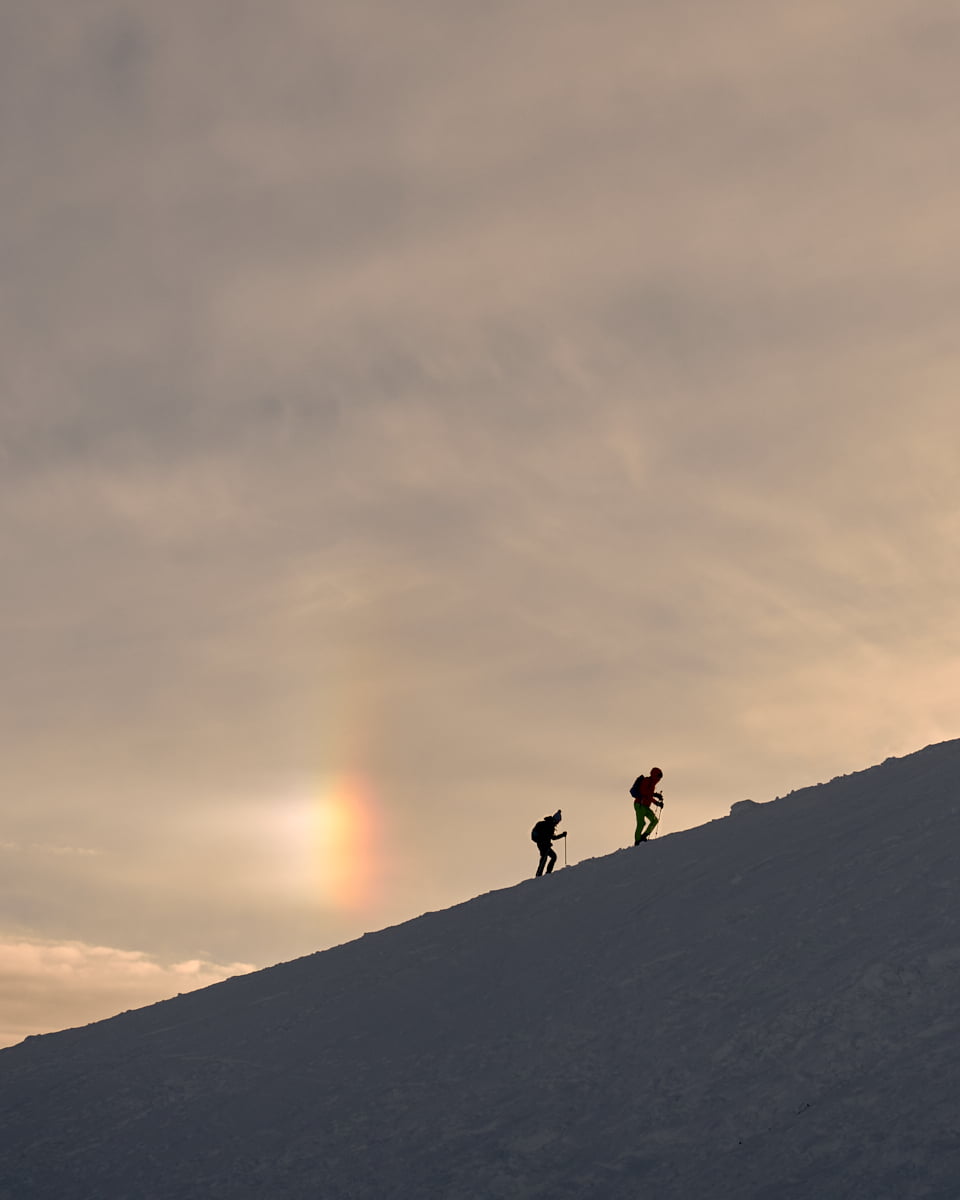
548, 856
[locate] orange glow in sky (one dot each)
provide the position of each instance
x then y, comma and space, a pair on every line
342, 840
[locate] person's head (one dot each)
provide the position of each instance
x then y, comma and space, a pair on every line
556, 817
656, 773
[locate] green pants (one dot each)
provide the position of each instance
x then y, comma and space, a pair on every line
644, 815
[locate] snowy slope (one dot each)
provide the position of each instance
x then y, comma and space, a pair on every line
763, 1007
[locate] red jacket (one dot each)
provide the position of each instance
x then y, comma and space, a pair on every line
647, 789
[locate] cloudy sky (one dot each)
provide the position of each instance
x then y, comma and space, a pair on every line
416, 417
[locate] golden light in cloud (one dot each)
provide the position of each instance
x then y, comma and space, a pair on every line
326, 840
344, 843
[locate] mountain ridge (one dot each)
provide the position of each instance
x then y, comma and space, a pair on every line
760, 1006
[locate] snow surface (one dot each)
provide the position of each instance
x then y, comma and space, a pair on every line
762, 1008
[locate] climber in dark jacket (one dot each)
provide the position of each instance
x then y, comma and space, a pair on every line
543, 834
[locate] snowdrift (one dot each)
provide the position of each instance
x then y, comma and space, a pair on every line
762, 1008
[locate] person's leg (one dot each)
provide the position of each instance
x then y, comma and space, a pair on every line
553, 858
544, 851
646, 822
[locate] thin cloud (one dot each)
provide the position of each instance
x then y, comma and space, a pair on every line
46, 985
46, 848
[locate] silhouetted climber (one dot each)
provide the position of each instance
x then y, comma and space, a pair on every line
543, 833
645, 796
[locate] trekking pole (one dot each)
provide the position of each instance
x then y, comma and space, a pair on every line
564, 851
656, 829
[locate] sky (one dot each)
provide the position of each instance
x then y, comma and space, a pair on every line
416, 418
744, 1010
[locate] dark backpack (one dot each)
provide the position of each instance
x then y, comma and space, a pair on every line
542, 831
635, 790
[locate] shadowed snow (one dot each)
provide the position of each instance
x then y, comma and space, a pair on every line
764, 1006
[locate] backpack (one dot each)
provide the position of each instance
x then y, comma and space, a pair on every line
635, 790
541, 831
